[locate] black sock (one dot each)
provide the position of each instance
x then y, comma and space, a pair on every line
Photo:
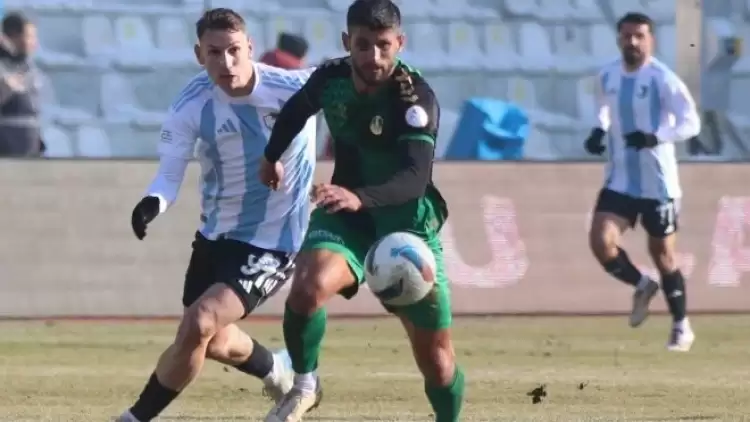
153, 400
622, 269
673, 286
260, 362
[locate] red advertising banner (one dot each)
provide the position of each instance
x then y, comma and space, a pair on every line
516, 240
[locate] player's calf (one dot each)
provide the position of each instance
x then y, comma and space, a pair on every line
662, 251
218, 307
435, 357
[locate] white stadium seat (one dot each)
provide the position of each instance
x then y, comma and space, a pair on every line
173, 40
98, 38
463, 46
94, 142
499, 48
135, 43
57, 142
535, 49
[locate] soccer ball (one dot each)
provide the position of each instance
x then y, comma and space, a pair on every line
400, 269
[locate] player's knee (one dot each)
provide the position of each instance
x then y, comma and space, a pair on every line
602, 246
436, 358
316, 280
199, 326
218, 347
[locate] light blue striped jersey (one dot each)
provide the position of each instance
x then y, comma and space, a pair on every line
652, 100
233, 133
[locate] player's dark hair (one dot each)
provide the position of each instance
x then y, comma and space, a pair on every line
219, 19
14, 24
375, 15
637, 19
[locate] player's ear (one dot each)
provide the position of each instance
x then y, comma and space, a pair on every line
197, 51
401, 42
250, 46
345, 41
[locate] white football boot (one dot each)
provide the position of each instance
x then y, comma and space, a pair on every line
295, 404
681, 337
641, 301
281, 382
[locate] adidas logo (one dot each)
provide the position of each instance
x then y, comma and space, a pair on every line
227, 127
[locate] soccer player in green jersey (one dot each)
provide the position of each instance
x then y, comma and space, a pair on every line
383, 117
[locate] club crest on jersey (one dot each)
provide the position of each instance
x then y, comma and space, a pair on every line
642, 91
417, 117
376, 126
270, 119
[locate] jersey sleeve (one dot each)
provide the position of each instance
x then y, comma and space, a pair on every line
418, 114
418, 111
176, 148
601, 106
292, 118
681, 107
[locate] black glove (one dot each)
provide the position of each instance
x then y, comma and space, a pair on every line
144, 213
640, 140
593, 143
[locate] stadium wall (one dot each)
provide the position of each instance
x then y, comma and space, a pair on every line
516, 241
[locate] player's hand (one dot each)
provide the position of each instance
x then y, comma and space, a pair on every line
640, 140
593, 143
271, 174
335, 198
144, 213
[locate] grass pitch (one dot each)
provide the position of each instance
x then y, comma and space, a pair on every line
595, 369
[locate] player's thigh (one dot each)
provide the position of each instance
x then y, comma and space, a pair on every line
333, 254
613, 214
201, 271
433, 351
434, 312
218, 307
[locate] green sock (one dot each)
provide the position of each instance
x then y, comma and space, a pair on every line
446, 401
303, 336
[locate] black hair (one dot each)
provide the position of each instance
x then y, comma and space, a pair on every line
221, 19
14, 24
373, 14
637, 19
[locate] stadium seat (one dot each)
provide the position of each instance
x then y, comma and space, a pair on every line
57, 59
603, 43
535, 49
538, 146
98, 39
552, 10
742, 67
258, 36
666, 44
587, 10
463, 46
451, 9
448, 121
500, 53
520, 8
621, 7
425, 50
52, 108
57, 142
415, 8
522, 93
135, 43
339, 6
323, 33
173, 41
119, 105
570, 49
93, 142
661, 11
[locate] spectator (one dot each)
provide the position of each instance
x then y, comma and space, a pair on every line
290, 52
20, 134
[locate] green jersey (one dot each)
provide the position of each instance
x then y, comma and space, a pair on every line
376, 137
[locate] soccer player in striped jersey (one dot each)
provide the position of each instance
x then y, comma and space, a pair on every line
644, 109
249, 234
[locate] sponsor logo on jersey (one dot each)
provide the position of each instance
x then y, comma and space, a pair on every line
376, 125
417, 117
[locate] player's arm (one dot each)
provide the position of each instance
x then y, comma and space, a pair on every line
292, 118
176, 146
416, 138
680, 104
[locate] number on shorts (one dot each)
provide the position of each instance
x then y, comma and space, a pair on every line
264, 273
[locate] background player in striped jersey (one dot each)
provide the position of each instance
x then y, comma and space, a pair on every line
249, 234
644, 108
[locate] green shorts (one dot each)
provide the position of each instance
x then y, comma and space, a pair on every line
329, 231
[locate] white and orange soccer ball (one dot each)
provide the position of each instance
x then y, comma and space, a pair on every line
400, 269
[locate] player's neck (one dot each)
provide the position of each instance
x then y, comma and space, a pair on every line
631, 68
364, 88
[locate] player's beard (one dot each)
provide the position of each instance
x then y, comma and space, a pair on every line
372, 81
633, 57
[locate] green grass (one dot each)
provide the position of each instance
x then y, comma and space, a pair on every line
91, 371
